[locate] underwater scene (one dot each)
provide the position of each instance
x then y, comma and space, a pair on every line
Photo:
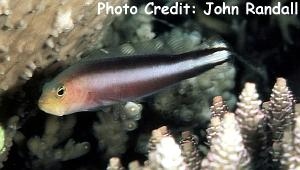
149, 85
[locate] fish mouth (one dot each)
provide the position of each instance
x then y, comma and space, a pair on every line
50, 108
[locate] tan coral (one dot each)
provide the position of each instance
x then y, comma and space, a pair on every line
115, 164
36, 33
280, 109
190, 152
156, 136
218, 108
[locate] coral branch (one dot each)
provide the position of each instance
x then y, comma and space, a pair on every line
280, 109
190, 152
156, 136
167, 155
218, 108
45, 150
227, 150
250, 117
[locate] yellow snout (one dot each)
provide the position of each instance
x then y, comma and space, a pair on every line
51, 106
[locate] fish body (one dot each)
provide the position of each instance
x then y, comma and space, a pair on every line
93, 83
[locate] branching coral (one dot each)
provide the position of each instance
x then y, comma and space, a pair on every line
238, 141
129, 28
218, 110
156, 136
46, 150
198, 90
227, 150
291, 147
188, 102
36, 33
252, 122
189, 146
280, 111
166, 156
117, 141
117, 120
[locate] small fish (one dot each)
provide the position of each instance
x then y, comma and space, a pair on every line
91, 84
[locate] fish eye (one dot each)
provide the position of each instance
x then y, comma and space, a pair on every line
61, 91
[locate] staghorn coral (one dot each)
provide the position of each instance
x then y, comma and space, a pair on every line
166, 156
156, 136
36, 33
188, 144
165, 153
218, 110
213, 129
233, 144
252, 123
227, 150
250, 117
280, 109
46, 151
291, 147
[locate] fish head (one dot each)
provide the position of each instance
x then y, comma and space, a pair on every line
58, 98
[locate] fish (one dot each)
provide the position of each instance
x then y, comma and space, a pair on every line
92, 84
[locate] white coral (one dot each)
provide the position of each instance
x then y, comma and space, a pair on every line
227, 149
167, 155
